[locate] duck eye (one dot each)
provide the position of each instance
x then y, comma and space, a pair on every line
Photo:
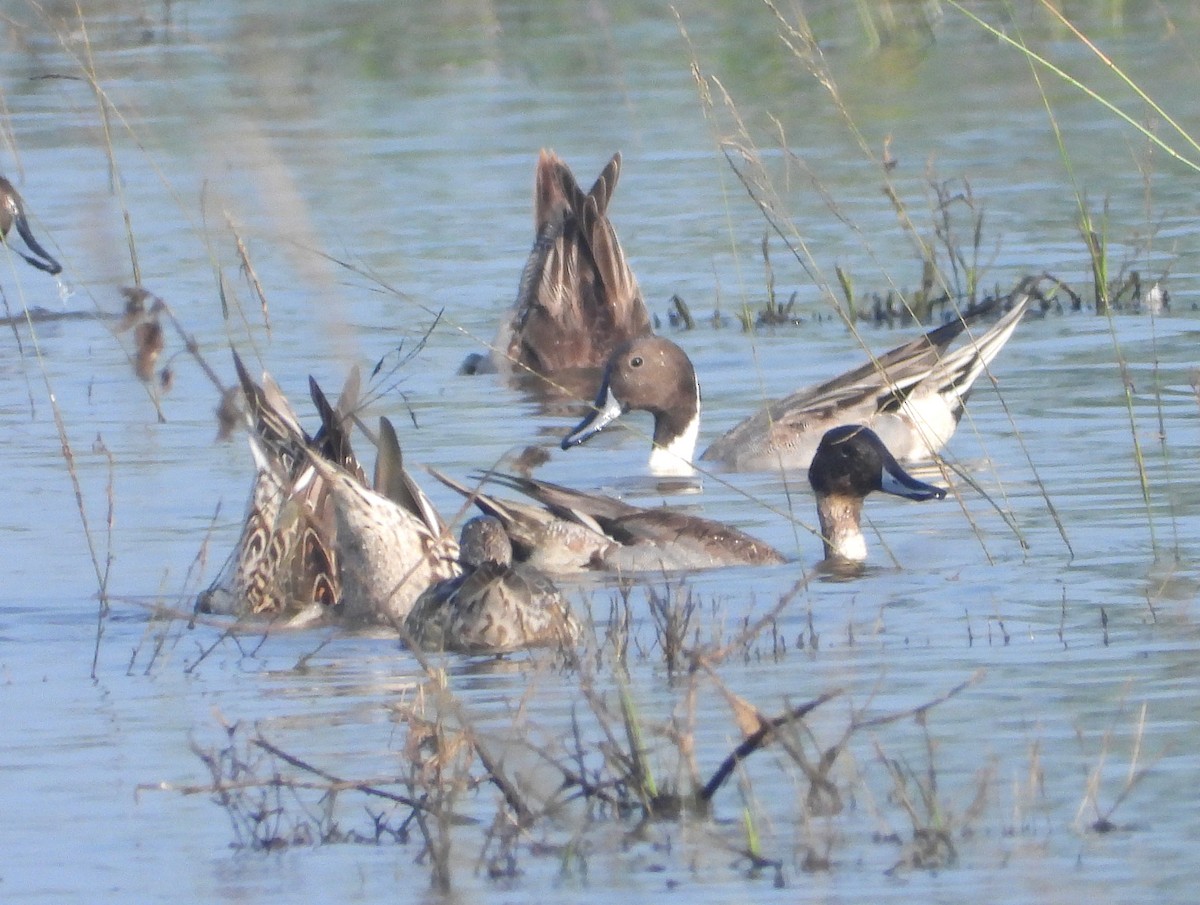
635, 362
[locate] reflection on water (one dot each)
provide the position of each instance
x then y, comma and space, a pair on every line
254, 153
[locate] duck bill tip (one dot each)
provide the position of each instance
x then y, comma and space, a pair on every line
41, 259
574, 438
607, 409
899, 482
584, 431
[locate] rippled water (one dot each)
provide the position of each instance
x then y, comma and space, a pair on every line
402, 141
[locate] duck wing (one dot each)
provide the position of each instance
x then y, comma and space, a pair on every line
881, 384
675, 539
556, 540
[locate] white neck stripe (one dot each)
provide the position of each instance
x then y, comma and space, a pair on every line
675, 459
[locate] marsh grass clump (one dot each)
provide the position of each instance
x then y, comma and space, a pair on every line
681, 622
953, 256
958, 262
270, 808
436, 761
275, 799
680, 315
1102, 817
773, 313
1116, 287
672, 614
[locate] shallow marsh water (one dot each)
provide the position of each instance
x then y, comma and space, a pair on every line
403, 141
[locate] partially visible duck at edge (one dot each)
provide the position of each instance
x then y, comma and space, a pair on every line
850, 463
12, 213
495, 606
912, 396
564, 531
578, 300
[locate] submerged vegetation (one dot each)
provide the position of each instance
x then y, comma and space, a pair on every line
652, 779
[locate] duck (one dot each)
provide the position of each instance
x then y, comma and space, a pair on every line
284, 565
578, 299
318, 540
564, 531
12, 213
912, 396
850, 463
495, 606
391, 544
572, 531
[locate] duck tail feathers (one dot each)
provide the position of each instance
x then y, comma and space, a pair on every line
958, 371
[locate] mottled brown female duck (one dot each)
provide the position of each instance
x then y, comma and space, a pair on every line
318, 540
284, 565
496, 606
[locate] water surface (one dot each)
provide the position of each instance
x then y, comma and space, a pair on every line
402, 142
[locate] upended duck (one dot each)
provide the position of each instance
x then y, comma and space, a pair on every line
12, 213
391, 543
284, 563
578, 300
317, 539
496, 606
912, 396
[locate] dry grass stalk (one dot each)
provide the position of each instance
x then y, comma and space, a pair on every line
247, 269
1103, 817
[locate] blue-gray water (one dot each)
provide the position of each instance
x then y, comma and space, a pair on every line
402, 141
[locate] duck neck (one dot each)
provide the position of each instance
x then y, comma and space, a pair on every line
675, 435
840, 529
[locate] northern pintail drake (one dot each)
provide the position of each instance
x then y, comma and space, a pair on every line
12, 213
912, 396
284, 565
578, 300
496, 606
566, 530
851, 462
